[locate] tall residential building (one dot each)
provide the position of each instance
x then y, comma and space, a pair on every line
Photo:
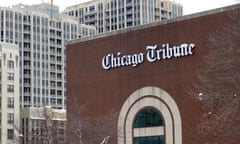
41, 34
9, 93
110, 15
86, 30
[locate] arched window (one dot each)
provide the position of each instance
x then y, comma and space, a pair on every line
148, 118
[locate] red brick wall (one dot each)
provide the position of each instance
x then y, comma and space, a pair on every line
101, 91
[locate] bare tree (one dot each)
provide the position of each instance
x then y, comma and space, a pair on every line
85, 129
77, 123
17, 134
106, 127
47, 126
43, 126
219, 82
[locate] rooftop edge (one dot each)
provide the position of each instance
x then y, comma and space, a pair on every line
159, 23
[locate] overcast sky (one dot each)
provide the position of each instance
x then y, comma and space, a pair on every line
189, 6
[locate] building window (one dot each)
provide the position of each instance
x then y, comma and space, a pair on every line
149, 140
164, 125
10, 103
10, 64
10, 118
148, 118
10, 88
10, 134
10, 76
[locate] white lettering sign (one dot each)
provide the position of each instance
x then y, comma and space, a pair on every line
153, 54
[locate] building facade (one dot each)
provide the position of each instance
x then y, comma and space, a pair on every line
137, 86
110, 15
86, 31
43, 125
41, 34
9, 93
41, 37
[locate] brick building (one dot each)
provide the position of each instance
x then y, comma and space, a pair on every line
131, 86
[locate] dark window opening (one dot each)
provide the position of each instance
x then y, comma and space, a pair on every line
149, 140
148, 118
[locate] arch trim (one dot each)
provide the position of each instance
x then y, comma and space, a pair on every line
154, 97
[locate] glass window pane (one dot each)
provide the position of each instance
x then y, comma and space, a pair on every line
149, 140
148, 118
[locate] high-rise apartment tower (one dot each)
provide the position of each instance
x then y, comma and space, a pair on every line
41, 34
9, 93
110, 15
38, 35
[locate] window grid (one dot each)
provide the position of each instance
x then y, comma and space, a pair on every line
10, 103
10, 134
10, 64
10, 118
10, 76
10, 88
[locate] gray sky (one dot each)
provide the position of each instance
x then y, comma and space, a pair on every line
189, 6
